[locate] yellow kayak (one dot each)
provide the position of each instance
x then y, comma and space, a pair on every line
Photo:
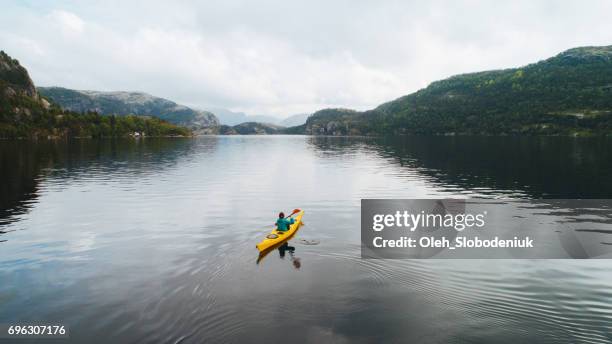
277, 237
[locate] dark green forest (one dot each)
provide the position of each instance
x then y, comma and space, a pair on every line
32, 120
569, 94
24, 114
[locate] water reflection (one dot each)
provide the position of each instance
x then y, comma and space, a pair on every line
528, 167
155, 241
25, 164
284, 249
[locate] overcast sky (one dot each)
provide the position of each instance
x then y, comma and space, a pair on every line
285, 57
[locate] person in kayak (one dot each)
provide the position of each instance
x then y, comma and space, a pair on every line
282, 224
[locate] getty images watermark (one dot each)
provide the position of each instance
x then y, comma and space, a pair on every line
486, 228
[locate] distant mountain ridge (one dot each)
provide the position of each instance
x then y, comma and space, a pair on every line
568, 94
294, 120
123, 103
231, 118
140, 103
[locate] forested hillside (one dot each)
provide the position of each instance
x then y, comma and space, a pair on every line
25, 114
569, 94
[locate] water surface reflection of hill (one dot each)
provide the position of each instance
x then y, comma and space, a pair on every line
24, 164
535, 167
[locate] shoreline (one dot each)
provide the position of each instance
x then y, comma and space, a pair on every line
58, 138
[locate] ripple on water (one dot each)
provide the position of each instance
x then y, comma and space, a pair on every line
154, 242
531, 299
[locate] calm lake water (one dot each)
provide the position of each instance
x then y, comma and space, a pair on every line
154, 241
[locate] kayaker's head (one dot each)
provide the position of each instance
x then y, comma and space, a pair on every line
281, 215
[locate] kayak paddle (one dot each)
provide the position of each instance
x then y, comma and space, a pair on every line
295, 211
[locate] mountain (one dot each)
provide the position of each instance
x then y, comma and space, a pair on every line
568, 94
249, 128
294, 120
25, 114
256, 128
263, 119
228, 117
124, 103
231, 118
15, 78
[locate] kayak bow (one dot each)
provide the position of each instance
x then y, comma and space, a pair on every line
278, 237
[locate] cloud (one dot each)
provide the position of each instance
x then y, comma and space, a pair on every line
278, 57
69, 23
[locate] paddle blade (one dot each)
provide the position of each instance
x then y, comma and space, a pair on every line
295, 211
